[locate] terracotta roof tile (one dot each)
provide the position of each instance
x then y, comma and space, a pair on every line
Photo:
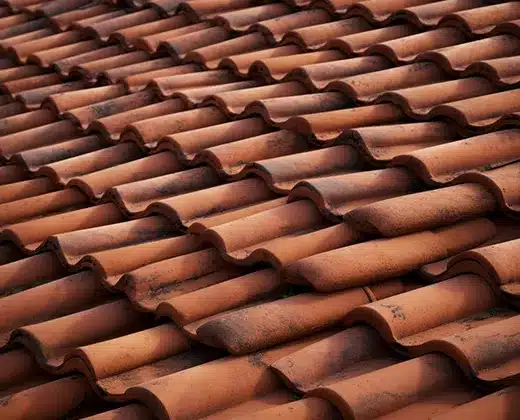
131, 34
253, 380
437, 385
484, 19
15, 73
232, 158
506, 230
104, 28
93, 53
494, 263
33, 402
72, 247
58, 7
276, 244
500, 404
316, 408
221, 200
24, 189
12, 143
184, 180
33, 98
12, 28
140, 81
430, 14
212, 300
64, 170
415, 212
57, 57
26, 236
91, 69
64, 19
120, 73
339, 194
58, 298
249, 329
367, 352
406, 320
347, 267
11, 173
38, 267
152, 284
130, 412
498, 147
486, 351
110, 268
21, 372
86, 109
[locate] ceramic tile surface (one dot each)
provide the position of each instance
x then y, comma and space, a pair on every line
239, 209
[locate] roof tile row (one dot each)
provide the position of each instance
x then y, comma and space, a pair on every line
225, 148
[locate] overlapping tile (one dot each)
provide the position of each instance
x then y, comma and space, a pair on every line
240, 18
153, 180
347, 267
494, 262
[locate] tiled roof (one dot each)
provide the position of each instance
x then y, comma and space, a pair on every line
241, 209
